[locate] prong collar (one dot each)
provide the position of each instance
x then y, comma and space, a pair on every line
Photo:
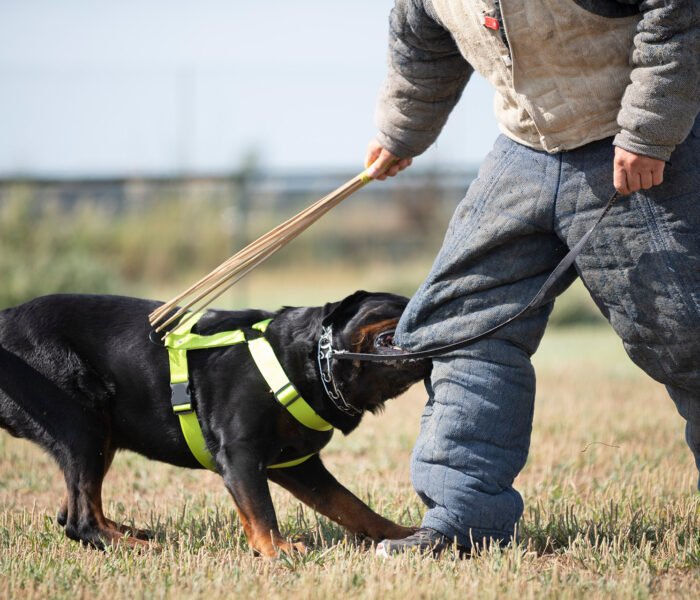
325, 368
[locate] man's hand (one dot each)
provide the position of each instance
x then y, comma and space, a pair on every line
381, 163
634, 172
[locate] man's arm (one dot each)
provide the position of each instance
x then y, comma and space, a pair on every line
426, 77
663, 98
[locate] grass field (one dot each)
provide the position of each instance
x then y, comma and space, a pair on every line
609, 489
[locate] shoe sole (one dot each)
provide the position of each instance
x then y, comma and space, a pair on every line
381, 552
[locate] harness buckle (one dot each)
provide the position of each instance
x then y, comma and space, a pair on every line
180, 398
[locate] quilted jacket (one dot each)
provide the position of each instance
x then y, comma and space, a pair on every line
566, 72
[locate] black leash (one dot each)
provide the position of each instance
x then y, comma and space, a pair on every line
536, 301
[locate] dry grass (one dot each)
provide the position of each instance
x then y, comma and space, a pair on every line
609, 486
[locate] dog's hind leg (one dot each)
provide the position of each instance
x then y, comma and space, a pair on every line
34, 407
140, 534
84, 518
62, 516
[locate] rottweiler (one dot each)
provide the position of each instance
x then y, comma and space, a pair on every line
81, 376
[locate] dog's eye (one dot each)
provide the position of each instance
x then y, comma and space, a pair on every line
384, 340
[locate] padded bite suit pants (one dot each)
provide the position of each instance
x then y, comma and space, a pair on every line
641, 266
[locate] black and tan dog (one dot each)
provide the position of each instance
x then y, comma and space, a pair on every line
79, 376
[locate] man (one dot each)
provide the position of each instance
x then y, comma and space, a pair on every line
591, 95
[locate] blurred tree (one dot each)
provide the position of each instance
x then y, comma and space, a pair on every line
42, 250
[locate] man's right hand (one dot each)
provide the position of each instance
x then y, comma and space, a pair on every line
381, 163
633, 172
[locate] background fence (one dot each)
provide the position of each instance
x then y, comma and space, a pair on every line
153, 236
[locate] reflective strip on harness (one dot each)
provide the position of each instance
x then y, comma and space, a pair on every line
283, 389
180, 340
292, 463
195, 439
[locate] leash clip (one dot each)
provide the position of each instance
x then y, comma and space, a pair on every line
154, 338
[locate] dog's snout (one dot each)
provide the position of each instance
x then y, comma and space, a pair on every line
384, 339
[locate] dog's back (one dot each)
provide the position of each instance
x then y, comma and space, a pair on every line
73, 341
67, 358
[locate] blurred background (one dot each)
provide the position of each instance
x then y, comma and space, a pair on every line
143, 143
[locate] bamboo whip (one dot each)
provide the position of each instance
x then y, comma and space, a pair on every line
223, 269
232, 279
316, 210
285, 233
210, 287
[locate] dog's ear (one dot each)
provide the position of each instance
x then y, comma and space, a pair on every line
339, 313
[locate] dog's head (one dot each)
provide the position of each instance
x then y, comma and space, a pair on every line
365, 322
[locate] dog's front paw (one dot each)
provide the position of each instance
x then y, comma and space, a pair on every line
273, 550
292, 547
140, 534
396, 532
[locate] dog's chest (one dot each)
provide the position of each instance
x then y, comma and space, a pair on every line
293, 437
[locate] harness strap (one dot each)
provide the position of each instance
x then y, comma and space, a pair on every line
181, 339
283, 389
178, 342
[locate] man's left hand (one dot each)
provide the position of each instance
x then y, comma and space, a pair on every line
634, 172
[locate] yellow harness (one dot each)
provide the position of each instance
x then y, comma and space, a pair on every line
181, 339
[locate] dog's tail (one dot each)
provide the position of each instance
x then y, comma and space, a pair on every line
32, 406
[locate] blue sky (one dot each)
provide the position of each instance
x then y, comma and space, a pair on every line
153, 86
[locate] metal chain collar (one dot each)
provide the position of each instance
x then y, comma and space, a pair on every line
325, 368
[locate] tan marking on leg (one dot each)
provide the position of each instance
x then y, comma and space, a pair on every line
139, 534
268, 543
115, 538
327, 496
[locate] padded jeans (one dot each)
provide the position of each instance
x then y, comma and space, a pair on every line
641, 266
